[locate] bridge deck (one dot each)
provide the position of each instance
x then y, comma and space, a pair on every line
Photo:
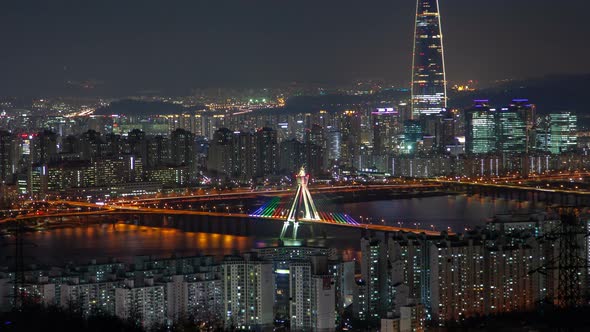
136, 210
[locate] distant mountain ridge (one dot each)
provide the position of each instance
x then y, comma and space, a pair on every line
139, 107
549, 94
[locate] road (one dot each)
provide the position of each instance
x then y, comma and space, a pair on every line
132, 207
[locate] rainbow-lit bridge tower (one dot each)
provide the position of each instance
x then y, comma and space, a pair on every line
302, 208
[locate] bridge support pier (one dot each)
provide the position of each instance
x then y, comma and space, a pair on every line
295, 228
284, 230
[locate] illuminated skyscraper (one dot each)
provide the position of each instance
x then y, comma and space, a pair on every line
385, 122
5, 155
511, 131
429, 88
557, 132
412, 135
480, 128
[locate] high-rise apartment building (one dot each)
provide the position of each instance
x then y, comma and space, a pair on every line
220, 157
350, 129
245, 156
44, 147
144, 303
248, 289
511, 286
291, 156
429, 95
385, 121
90, 297
312, 306
374, 271
409, 265
457, 280
266, 152
182, 147
196, 296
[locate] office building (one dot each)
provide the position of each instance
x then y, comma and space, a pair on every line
6, 170
511, 131
429, 95
480, 129
528, 113
413, 136
557, 133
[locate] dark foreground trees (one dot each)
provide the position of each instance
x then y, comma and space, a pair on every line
53, 318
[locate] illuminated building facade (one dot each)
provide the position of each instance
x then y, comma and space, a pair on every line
457, 280
409, 261
5, 156
511, 131
182, 147
44, 147
90, 297
266, 152
480, 131
557, 132
247, 293
146, 304
374, 275
312, 304
412, 135
506, 131
385, 122
198, 295
350, 129
511, 286
429, 95
527, 113
334, 140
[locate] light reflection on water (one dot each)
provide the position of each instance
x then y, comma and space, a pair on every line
124, 241
455, 211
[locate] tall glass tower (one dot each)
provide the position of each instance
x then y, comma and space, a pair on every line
429, 86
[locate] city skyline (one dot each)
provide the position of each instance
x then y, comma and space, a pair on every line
133, 47
306, 179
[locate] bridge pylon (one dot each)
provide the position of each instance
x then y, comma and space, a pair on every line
302, 207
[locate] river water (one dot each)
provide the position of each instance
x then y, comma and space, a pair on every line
124, 241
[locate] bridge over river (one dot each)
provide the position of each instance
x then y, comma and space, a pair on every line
142, 211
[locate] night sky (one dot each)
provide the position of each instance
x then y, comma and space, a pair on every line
174, 45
